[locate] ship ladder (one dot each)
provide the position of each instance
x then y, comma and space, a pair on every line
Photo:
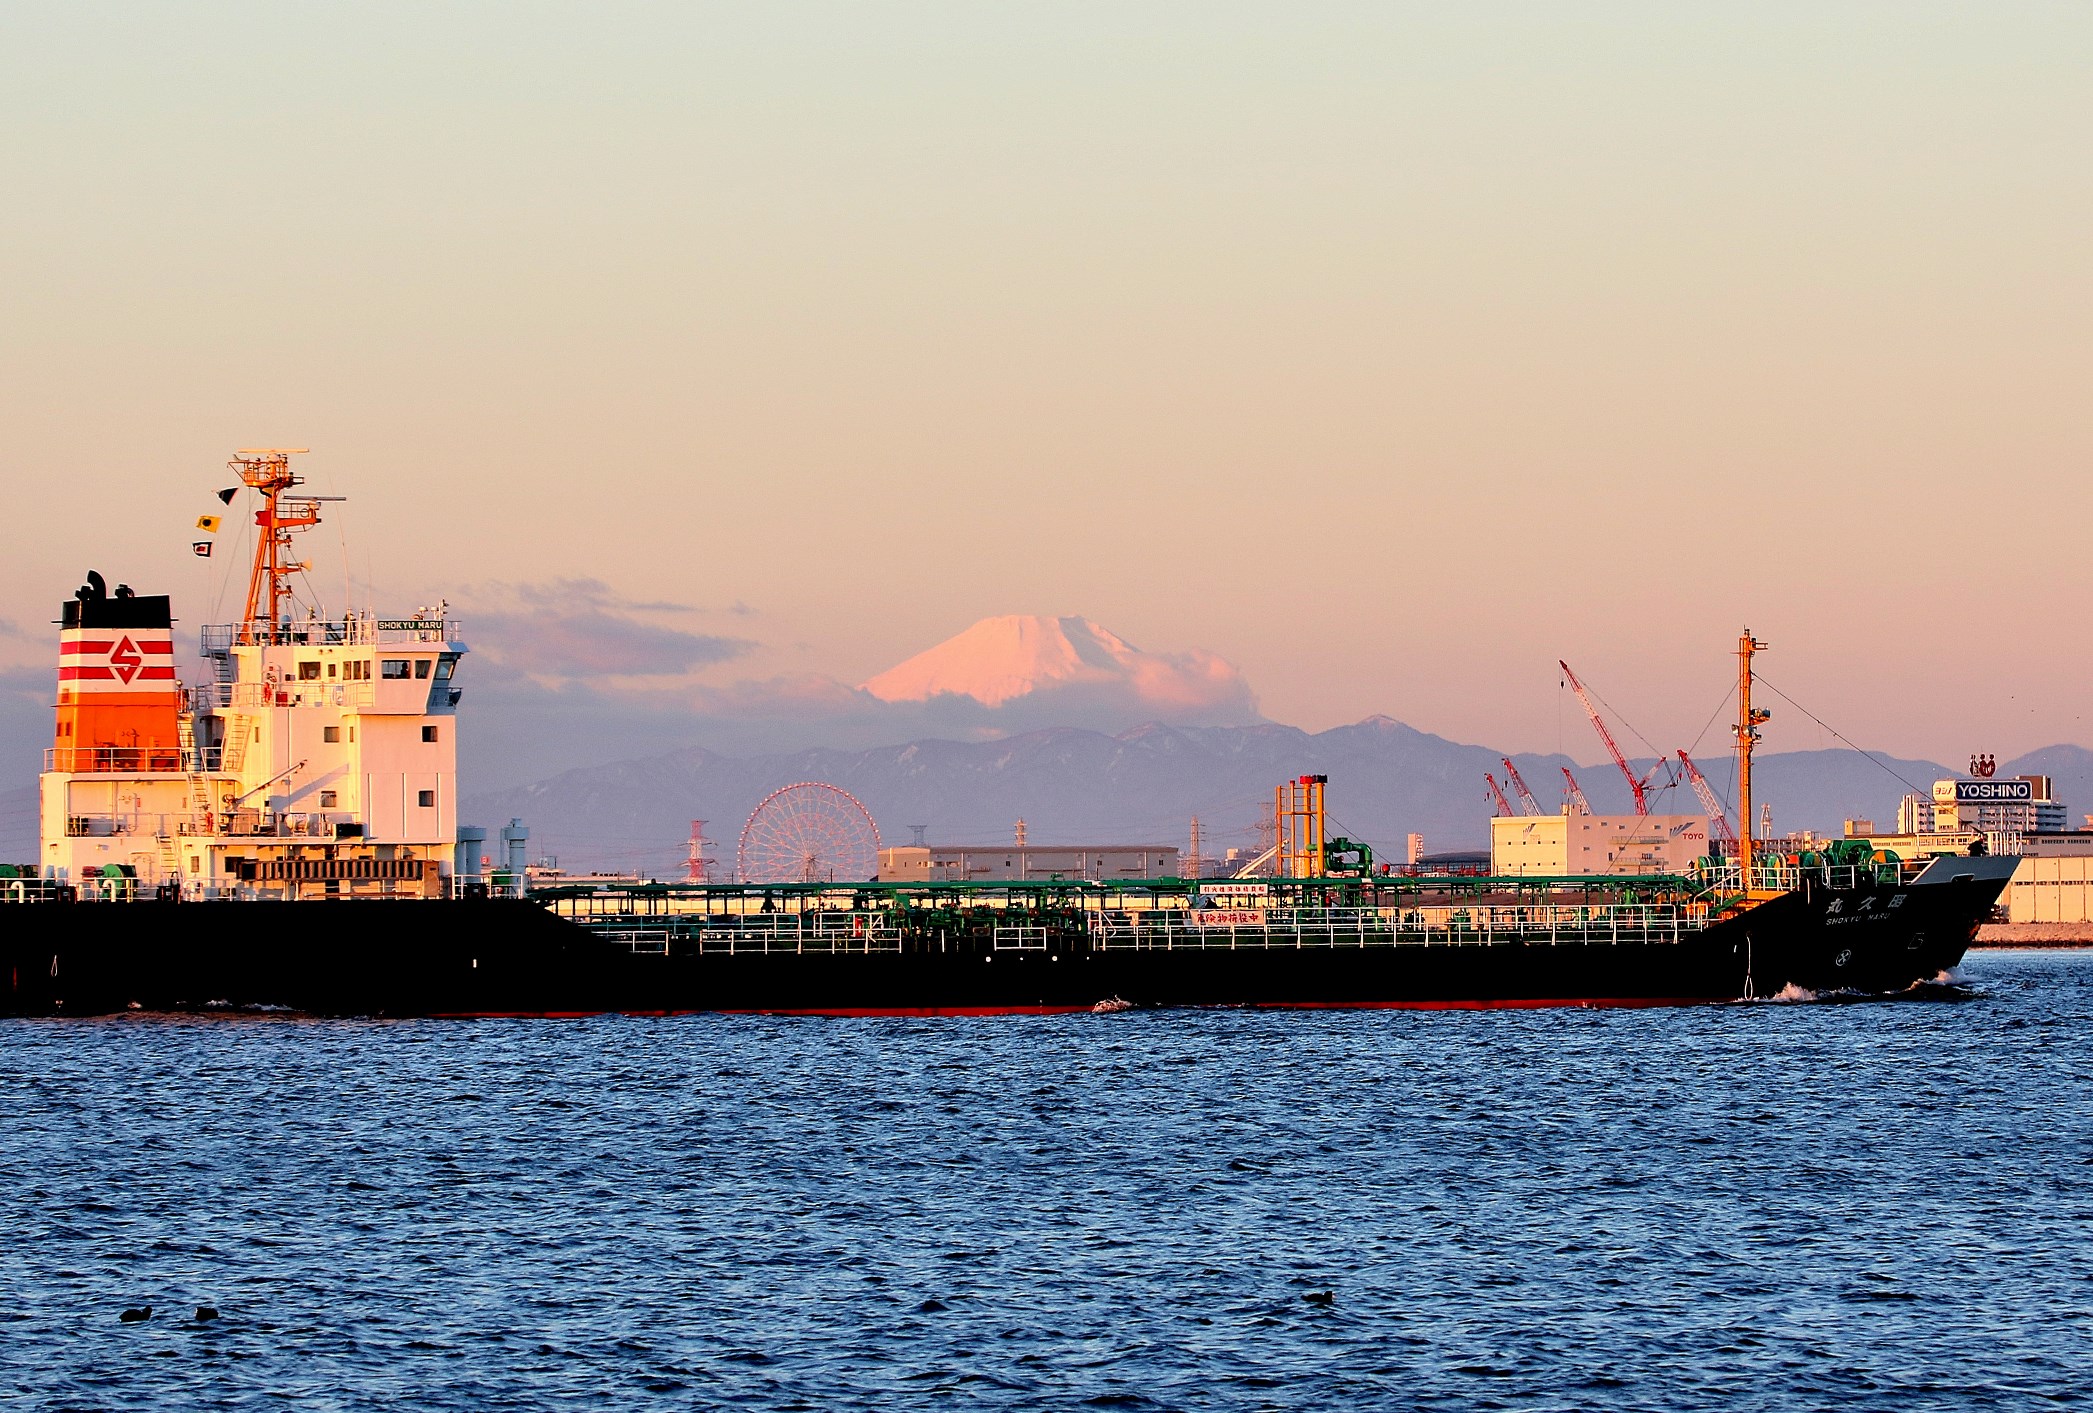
170, 859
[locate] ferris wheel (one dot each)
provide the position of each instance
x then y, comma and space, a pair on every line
809, 833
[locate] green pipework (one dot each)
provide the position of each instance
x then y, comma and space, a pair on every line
1344, 856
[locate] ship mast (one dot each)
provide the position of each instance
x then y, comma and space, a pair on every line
268, 470
1749, 719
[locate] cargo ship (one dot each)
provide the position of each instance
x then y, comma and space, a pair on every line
282, 832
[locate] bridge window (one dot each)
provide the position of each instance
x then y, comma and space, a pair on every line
393, 669
421, 667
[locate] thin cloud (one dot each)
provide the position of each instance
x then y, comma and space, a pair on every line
569, 629
572, 594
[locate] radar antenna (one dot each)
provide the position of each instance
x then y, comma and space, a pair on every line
268, 469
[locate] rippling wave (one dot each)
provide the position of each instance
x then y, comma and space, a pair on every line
1765, 1206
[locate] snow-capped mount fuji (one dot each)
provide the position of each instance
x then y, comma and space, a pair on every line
1000, 661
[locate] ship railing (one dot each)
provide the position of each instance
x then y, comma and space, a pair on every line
358, 631
820, 930
29, 890
1019, 937
640, 940
1475, 925
486, 885
735, 934
1785, 877
203, 760
251, 823
115, 760
254, 696
90, 888
141, 825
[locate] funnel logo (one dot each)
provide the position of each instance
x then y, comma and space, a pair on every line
125, 660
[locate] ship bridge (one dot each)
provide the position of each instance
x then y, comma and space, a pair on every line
313, 755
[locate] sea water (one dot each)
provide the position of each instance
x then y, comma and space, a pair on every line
1880, 1205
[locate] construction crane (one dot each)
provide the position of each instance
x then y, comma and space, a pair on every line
1504, 806
1527, 803
1717, 820
1574, 793
1642, 805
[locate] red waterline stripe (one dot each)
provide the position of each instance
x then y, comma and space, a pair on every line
1530, 1004
1611, 1002
773, 1011
524, 1015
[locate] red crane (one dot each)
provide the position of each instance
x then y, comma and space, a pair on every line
1527, 803
1642, 805
1504, 806
1574, 793
1717, 820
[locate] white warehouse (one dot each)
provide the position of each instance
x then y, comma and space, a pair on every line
1558, 845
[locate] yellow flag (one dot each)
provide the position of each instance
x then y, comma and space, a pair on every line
207, 523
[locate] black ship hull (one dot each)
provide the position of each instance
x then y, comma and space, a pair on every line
509, 957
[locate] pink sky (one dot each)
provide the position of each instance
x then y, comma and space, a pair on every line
1388, 352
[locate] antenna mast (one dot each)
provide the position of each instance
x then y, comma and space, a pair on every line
268, 470
1749, 719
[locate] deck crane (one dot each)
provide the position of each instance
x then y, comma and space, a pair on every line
1527, 803
1642, 804
1717, 820
1504, 806
1574, 793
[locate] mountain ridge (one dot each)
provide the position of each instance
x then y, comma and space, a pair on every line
1148, 780
1143, 785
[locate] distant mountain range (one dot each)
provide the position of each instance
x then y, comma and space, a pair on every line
1144, 785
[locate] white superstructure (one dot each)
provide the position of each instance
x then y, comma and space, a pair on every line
316, 757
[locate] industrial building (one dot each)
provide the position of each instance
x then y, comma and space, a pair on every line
2020, 815
968, 863
2057, 888
2020, 805
1586, 844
